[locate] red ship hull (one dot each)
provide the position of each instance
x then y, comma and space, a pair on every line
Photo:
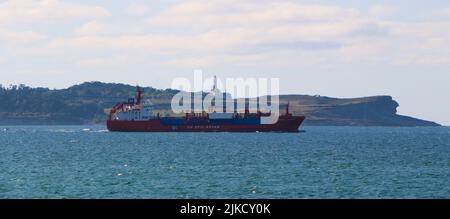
284, 124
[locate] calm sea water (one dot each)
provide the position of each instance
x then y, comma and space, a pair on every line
322, 162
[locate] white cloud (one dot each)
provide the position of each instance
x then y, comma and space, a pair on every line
137, 9
222, 32
441, 12
13, 11
105, 61
340, 34
94, 28
15, 37
382, 10
216, 14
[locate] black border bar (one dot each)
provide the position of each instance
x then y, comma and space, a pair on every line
246, 207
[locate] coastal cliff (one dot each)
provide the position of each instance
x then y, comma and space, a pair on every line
89, 102
364, 111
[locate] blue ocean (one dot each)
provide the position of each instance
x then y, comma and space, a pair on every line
320, 162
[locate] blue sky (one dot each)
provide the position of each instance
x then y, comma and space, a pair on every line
333, 48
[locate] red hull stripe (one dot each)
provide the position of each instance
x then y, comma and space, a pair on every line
289, 124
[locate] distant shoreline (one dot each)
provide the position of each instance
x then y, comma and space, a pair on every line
89, 102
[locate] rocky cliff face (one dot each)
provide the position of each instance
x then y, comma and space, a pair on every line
87, 103
366, 111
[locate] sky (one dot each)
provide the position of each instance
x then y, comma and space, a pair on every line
334, 48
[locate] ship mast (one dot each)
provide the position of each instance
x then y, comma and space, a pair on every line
287, 108
138, 95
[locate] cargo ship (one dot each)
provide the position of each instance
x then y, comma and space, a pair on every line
137, 115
